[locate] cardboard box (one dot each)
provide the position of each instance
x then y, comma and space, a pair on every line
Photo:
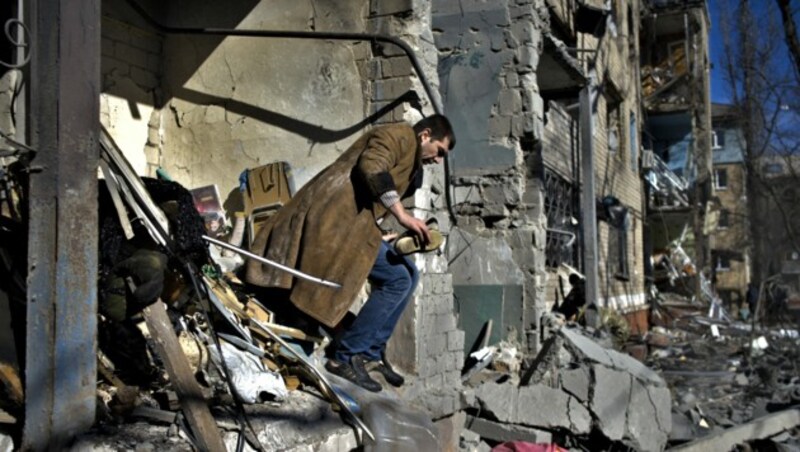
268, 188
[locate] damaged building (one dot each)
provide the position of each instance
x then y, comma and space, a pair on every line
582, 174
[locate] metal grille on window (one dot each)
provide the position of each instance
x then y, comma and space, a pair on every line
559, 207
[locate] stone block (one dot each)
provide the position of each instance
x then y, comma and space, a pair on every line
374, 70
499, 126
643, 430
132, 55
362, 50
153, 62
144, 78
449, 430
609, 400
535, 406
116, 31
115, 67
148, 43
445, 323
386, 7
576, 382
527, 58
453, 379
497, 40
512, 79
435, 381
591, 351
482, 260
507, 432
470, 194
509, 102
455, 340
437, 344
397, 67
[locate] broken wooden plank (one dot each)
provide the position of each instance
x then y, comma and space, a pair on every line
154, 414
189, 392
760, 428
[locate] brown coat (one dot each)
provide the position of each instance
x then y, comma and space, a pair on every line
329, 229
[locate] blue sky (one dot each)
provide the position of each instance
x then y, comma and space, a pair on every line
719, 91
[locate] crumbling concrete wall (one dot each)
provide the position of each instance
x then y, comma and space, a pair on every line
224, 104
617, 150
488, 59
234, 103
131, 66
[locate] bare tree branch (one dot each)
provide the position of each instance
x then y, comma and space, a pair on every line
790, 32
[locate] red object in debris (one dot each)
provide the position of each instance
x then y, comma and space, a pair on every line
522, 446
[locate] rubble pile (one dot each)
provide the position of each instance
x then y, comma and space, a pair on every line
575, 393
723, 374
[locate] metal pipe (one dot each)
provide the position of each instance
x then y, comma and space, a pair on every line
320, 35
561, 231
297, 273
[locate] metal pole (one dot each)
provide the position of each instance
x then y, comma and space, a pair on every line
588, 99
297, 273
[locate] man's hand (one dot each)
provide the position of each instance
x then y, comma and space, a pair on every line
409, 222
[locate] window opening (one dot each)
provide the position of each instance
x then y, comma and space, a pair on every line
560, 209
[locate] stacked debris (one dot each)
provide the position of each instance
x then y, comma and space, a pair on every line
725, 375
179, 335
575, 393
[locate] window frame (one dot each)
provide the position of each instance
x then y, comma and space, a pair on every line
724, 173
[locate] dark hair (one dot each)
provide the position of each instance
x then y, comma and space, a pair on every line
440, 128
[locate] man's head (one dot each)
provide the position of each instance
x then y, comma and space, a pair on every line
436, 137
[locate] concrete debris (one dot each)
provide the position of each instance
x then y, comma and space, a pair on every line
6, 443
498, 431
580, 387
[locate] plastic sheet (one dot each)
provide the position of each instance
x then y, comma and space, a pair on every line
398, 428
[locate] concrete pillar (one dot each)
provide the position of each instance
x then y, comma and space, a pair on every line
60, 370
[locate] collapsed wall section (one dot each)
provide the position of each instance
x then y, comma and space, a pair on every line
488, 56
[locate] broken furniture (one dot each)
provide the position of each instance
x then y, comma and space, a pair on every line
265, 189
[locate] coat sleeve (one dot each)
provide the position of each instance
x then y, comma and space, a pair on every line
377, 160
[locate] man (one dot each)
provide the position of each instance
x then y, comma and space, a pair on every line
330, 230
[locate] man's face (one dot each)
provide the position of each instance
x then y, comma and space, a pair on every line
433, 151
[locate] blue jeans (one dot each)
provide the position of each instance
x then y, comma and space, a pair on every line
393, 279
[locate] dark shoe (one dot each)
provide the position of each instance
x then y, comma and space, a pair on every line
353, 371
383, 367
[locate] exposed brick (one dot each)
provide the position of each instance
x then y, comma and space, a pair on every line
113, 65
509, 102
132, 55
374, 69
397, 67
386, 7
499, 126
438, 344
144, 78
107, 47
151, 44
154, 62
435, 381
115, 31
455, 340
152, 155
445, 322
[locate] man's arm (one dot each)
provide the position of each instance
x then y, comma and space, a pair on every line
409, 222
375, 165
